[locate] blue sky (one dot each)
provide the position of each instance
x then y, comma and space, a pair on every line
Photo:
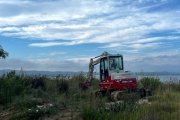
62, 35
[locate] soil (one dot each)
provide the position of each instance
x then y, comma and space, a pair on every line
64, 115
6, 114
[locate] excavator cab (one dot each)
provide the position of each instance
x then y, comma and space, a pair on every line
110, 64
112, 74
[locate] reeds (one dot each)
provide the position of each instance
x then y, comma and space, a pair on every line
26, 95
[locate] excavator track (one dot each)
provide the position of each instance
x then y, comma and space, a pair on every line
130, 95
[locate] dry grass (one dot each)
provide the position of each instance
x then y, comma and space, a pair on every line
23, 93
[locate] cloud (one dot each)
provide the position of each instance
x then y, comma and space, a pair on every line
49, 44
168, 63
138, 29
57, 53
76, 22
159, 63
44, 64
17, 64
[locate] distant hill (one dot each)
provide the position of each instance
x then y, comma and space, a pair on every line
41, 73
56, 73
157, 73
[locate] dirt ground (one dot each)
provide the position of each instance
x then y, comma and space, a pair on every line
64, 115
6, 114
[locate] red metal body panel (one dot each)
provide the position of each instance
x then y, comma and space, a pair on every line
122, 84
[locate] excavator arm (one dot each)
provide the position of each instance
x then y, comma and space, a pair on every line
93, 61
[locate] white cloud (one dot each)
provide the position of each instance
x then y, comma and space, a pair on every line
80, 60
48, 44
44, 64
57, 17
57, 53
126, 26
168, 63
141, 46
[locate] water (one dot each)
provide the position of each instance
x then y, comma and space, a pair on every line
162, 77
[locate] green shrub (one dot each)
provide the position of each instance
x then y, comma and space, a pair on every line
108, 111
76, 80
38, 82
90, 113
34, 113
28, 102
11, 85
62, 86
175, 85
150, 83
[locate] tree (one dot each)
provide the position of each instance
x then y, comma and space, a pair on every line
3, 53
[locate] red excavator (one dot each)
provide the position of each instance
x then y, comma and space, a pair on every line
113, 78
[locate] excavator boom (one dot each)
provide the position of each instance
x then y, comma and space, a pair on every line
94, 61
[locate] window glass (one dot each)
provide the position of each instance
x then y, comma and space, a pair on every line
115, 63
105, 64
102, 70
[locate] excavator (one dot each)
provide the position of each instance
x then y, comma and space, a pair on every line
113, 78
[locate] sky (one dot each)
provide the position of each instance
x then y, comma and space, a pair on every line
62, 35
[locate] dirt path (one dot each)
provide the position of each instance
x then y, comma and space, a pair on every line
65, 115
6, 114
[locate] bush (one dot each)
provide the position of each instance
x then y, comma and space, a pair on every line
38, 82
150, 83
34, 113
11, 85
75, 80
90, 113
62, 86
110, 112
175, 85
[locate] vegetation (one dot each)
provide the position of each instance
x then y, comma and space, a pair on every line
150, 83
3, 53
163, 105
32, 98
